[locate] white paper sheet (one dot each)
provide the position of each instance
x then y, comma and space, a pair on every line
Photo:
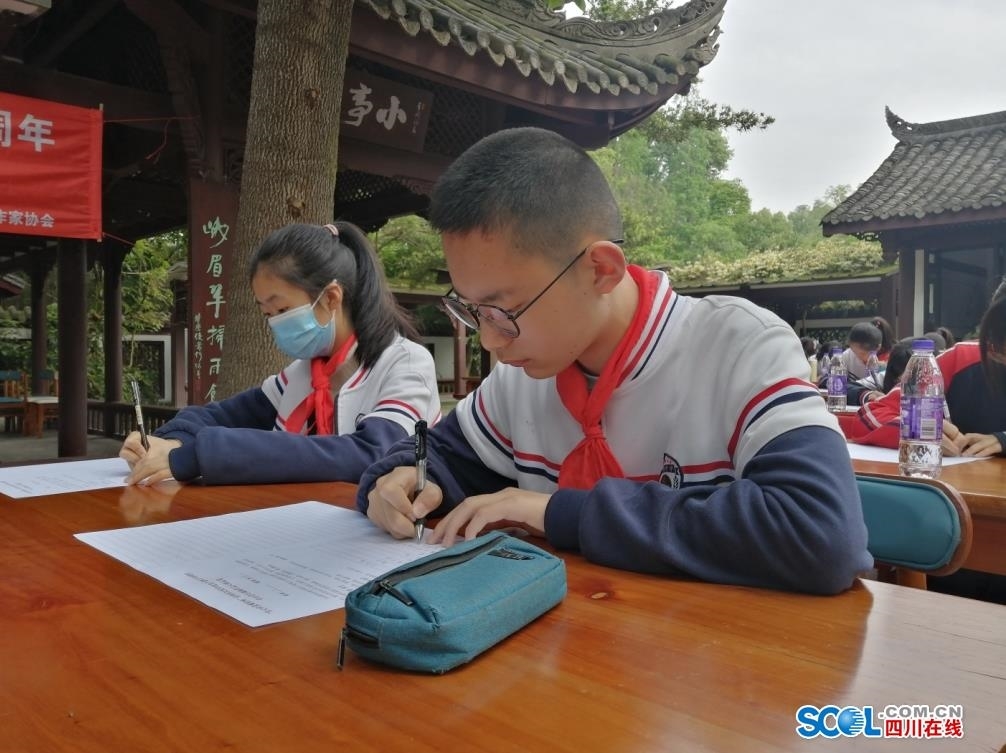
263, 566
59, 478
886, 455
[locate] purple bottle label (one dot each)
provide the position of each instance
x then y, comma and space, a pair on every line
922, 418
836, 385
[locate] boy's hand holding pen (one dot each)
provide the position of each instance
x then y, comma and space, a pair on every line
420, 446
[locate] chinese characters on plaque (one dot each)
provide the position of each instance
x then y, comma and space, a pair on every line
214, 215
384, 112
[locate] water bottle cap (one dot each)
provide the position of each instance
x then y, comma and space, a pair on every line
923, 344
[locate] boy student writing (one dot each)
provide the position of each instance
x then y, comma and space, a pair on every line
651, 431
359, 383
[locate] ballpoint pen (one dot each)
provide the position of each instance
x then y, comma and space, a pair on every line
420, 445
139, 416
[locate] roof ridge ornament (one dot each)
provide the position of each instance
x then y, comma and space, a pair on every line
910, 133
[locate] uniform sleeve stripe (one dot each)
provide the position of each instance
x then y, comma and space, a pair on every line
536, 471
769, 397
398, 407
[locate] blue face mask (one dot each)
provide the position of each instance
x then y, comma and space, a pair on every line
299, 335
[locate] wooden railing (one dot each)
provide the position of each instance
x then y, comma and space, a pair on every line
118, 419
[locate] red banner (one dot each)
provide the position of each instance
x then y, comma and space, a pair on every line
50, 168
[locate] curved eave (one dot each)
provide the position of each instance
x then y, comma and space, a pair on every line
915, 222
608, 73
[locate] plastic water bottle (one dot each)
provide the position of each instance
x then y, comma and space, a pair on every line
919, 451
836, 382
873, 369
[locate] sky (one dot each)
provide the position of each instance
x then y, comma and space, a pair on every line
825, 69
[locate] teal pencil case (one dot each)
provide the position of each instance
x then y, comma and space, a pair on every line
443, 610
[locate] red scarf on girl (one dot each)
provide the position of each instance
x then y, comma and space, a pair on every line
592, 459
319, 402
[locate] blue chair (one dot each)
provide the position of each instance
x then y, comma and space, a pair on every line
917, 526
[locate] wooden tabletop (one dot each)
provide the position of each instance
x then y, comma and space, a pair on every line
982, 483
96, 657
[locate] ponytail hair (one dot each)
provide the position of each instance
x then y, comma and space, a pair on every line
309, 257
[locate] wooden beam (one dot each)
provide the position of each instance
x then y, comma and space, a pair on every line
97, 10
169, 21
121, 103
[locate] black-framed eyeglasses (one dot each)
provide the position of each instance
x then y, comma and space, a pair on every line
505, 322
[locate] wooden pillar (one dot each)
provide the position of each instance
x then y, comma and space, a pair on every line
72, 345
112, 256
888, 304
460, 358
39, 324
907, 284
179, 365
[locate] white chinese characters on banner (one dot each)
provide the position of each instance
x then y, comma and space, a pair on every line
37, 132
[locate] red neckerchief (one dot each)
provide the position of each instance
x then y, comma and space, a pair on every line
319, 402
592, 459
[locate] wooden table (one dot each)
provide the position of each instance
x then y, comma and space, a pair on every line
97, 657
983, 486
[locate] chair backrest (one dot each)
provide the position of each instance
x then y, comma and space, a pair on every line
48, 381
915, 523
11, 383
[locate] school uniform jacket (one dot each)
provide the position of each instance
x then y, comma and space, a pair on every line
735, 470
974, 406
243, 439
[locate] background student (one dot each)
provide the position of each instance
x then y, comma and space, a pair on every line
974, 377
649, 430
887, 338
358, 384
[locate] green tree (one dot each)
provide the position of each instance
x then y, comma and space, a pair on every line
410, 251
290, 155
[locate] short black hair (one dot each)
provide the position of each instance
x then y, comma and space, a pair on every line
896, 363
533, 183
864, 333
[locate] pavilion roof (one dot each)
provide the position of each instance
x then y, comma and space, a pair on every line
945, 172
580, 55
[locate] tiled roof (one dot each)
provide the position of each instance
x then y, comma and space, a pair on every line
936, 170
665, 49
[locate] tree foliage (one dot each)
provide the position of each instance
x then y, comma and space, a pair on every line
827, 259
410, 251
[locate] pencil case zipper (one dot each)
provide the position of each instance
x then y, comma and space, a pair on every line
389, 584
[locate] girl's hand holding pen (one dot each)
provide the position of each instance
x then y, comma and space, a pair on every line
148, 466
394, 506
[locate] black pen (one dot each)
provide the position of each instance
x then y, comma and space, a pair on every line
420, 445
139, 416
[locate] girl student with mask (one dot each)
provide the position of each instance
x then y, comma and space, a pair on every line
359, 383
